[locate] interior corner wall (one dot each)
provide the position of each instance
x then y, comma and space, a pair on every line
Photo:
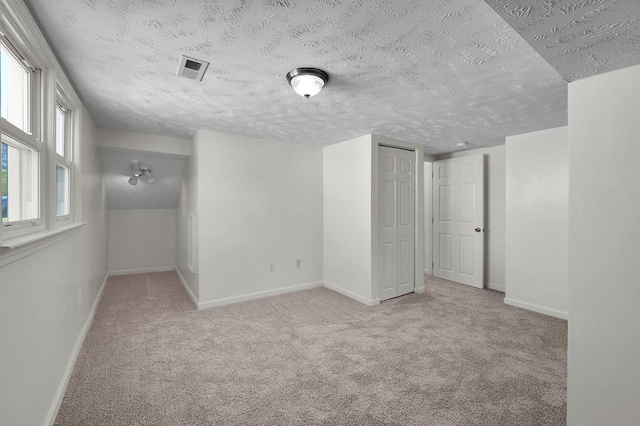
187, 206
142, 240
46, 300
537, 179
347, 217
260, 202
604, 290
428, 214
494, 213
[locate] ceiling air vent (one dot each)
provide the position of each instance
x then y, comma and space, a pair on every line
192, 68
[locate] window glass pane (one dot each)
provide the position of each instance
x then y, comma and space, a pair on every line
60, 131
20, 195
4, 168
14, 90
62, 190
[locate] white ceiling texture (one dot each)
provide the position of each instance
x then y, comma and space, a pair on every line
434, 72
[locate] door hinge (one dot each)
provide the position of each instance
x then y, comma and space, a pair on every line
433, 220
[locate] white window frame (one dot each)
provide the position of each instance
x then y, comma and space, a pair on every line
66, 160
49, 85
29, 138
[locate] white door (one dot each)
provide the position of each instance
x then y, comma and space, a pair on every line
458, 220
397, 222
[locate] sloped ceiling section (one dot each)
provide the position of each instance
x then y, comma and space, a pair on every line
578, 38
435, 72
161, 194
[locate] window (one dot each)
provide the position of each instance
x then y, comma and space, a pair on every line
39, 124
20, 181
16, 89
20, 150
60, 130
63, 161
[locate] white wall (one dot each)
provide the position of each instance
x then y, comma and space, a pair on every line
187, 206
46, 299
347, 213
142, 240
260, 201
604, 230
428, 214
537, 221
116, 138
494, 214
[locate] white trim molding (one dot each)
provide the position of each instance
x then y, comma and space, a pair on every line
257, 295
62, 387
141, 271
350, 294
537, 308
193, 298
495, 287
419, 290
19, 247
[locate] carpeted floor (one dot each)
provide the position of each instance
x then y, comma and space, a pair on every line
452, 356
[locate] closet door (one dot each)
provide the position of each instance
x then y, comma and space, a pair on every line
397, 222
406, 225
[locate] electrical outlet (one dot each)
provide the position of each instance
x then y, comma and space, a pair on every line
298, 263
272, 266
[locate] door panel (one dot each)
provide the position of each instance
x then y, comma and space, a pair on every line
388, 219
466, 255
389, 270
446, 203
388, 266
467, 192
446, 252
458, 253
396, 216
406, 227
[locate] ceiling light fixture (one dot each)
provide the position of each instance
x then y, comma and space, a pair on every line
140, 171
461, 144
307, 82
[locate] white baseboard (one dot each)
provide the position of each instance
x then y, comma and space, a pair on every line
537, 308
496, 287
62, 387
141, 271
187, 288
352, 295
419, 290
257, 295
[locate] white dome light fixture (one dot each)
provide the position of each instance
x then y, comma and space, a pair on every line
307, 82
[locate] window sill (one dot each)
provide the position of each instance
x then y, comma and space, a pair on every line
19, 247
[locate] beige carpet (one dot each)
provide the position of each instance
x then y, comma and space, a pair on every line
453, 356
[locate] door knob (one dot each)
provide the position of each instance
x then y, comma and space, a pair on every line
478, 229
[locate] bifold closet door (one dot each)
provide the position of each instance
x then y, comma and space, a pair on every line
397, 222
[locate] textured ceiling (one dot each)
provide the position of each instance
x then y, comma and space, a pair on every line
161, 194
434, 72
580, 38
